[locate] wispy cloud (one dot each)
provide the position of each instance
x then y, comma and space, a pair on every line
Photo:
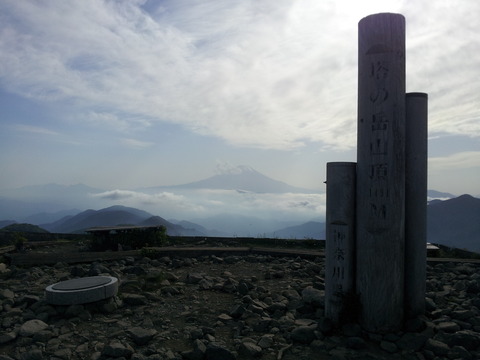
260, 74
35, 130
136, 144
461, 160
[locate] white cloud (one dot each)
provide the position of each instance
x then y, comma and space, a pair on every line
260, 74
163, 202
205, 203
115, 195
266, 205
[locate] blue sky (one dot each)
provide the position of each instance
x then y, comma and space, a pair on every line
128, 94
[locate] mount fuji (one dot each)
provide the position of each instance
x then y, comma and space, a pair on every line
240, 178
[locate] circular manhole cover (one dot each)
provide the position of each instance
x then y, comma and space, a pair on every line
82, 290
81, 283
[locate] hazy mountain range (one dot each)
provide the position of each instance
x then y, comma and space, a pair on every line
241, 202
454, 222
232, 192
240, 191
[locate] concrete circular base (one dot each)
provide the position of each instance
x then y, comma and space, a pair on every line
81, 291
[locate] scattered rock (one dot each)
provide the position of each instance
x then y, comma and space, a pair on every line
141, 336
7, 337
6, 294
468, 339
250, 350
31, 327
313, 296
197, 353
216, 351
74, 310
237, 311
116, 350
193, 278
459, 352
437, 347
5, 357
389, 346
304, 334
34, 354
266, 341
411, 341
224, 317
134, 299
430, 304
213, 307
448, 326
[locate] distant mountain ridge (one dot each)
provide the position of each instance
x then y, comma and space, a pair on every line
308, 230
44, 217
242, 178
434, 194
41, 204
114, 216
21, 203
46, 205
199, 228
23, 228
455, 222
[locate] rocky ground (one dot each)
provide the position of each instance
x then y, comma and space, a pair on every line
224, 307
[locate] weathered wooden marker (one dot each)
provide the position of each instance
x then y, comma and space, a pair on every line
389, 241
415, 203
340, 244
381, 172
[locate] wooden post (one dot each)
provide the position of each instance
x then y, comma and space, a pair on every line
416, 203
340, 244
380, 228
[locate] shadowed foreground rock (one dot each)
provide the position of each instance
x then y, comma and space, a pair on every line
230, 307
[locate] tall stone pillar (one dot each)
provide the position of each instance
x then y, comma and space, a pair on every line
340, 243
380, 227
416, 150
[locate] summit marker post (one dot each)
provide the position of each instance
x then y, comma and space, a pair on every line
380, 226
416, 151
377, 208
340, 240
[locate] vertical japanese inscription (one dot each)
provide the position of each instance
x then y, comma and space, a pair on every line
339, 238
381, 172
379, 128
339, 245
